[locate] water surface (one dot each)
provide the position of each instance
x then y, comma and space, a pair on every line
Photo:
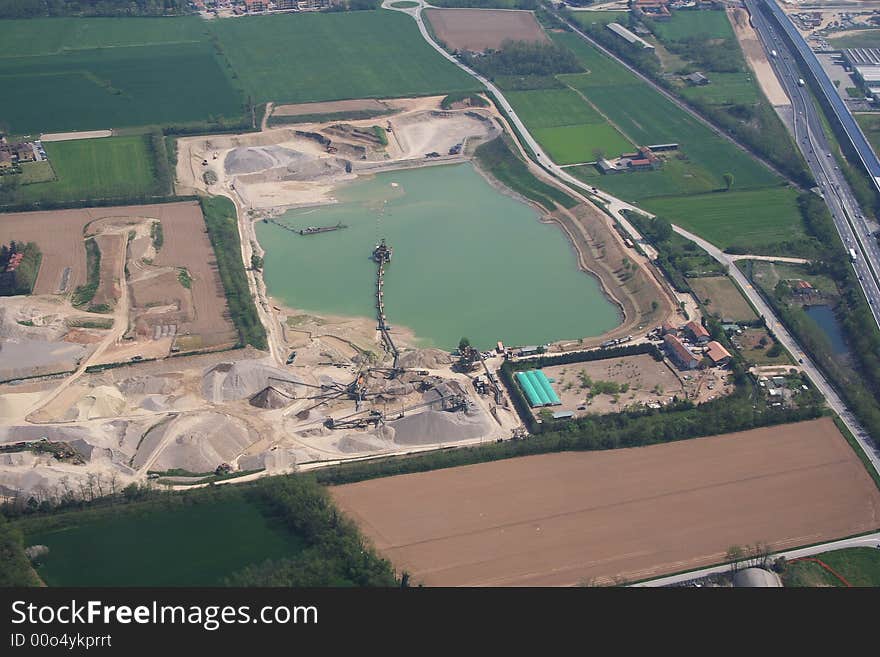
468, 261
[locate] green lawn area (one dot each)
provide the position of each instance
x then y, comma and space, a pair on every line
870, 124
552, 108
112, 167
860, 39
750, 219
188, 545
587, 18
725, 89
111, 73
674, 178
36, 172
859, 566
332, 56
572, 144
53, 36
647, 117
686, 23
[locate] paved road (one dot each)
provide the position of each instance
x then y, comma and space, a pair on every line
813, 144
615, 205
871, 540
787, 341
671, 97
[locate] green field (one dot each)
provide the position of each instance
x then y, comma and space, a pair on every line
573, 144
683, 24
86, 74
191, 545
870, 125
860, 39
552, 108
858, 566
107, 168
587, 18
725, 89
333, 56
568, 128
754, 219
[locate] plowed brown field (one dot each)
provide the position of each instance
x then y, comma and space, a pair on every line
568, 518
481, 29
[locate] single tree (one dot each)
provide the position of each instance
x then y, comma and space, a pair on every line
728, 180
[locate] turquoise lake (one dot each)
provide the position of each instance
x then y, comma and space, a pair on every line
468, 261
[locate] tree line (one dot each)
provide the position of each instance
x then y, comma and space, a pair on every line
523, 58
220, 219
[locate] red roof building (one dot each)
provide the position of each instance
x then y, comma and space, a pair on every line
698, 332
679, 354
716, 352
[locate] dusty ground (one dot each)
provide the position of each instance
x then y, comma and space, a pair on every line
59, 234
572, 518
280, 168
757, 57
649, 381
67, 136
161, 309
333, 107
636, 290
482, 29
725, 300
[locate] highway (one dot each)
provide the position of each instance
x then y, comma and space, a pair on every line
818, 152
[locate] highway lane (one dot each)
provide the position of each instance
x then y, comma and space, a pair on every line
816, 149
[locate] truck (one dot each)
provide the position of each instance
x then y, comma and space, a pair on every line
852, 255
801, 82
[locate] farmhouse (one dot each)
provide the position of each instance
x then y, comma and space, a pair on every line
696, 79
716, 352
628, 36
698, 332
643, 159
679, 354
5, 160
657, 10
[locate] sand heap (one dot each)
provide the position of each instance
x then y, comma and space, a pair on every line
245, 378
425, 359
197, 442
270, 398
432, 427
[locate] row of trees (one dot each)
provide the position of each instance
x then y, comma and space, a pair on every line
523, 58
219, 213
335, 554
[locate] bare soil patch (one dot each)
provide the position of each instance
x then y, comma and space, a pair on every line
647, 381
482, 29
333, 107
757, 58
578, 517
725, 299
59, 234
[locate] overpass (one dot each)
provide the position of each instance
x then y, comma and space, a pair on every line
841, 112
